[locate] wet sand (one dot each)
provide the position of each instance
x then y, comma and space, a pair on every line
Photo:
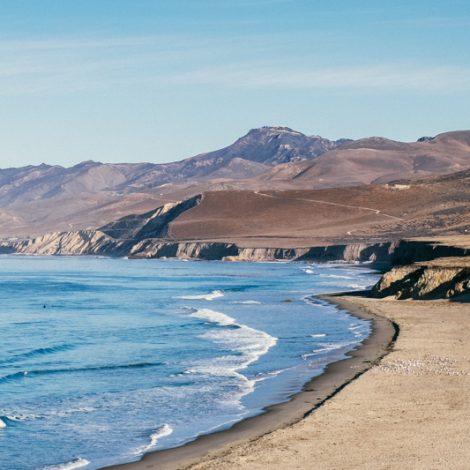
211, 451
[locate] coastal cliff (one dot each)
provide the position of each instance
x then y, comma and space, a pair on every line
445, 278
419, 269
96, 242
81, 242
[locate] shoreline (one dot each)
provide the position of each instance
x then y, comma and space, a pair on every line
313, 395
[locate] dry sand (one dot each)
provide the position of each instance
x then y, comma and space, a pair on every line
410, 411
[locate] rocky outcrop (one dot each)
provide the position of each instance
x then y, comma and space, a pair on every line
153, 224
267, 254
152, 248
438, 279
83, 242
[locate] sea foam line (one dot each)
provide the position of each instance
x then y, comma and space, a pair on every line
72, 465
19, 417
215, 294
162, 431
249, 344
330, 347
336, 276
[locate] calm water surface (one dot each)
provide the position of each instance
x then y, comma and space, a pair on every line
102, 360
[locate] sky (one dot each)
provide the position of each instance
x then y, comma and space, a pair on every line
162, 80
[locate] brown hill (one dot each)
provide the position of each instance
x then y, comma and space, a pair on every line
432, 207
39, 199
356, 222
379, 160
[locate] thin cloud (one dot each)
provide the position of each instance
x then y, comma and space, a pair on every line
387, 77
71, 65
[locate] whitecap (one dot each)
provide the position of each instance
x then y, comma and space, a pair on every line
23, 417
307, 269
246, 302
215, 294
213, 316
72, 465
2, 424
319, 335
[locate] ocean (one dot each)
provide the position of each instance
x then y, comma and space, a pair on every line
103, 360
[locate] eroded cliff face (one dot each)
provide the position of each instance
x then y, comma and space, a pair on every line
97, 242
437, 272
82, 242
154, 248
437, 279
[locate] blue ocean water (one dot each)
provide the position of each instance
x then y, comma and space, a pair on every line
103, 360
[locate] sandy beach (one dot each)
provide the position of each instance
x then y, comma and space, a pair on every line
399, 405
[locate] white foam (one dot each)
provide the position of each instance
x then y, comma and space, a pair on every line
269, 375
215, 294
2, 424
336, 276
246, 302
72, 465
357, 286
22, 417
162, 431
358, 330
248, 343
319, 335
246, 340
26, 416
213, 316
307, 270
327, 348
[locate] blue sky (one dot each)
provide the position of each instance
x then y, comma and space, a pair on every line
157, 80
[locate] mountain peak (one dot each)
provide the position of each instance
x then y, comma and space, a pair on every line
271, 145
273, 130
87, 164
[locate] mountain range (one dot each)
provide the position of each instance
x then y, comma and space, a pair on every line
43, 198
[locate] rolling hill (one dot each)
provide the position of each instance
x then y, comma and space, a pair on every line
43, 198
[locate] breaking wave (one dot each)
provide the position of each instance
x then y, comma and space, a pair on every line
162, 431
215, 294
247, 343
72, 465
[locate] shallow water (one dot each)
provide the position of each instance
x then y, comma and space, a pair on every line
102, 360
